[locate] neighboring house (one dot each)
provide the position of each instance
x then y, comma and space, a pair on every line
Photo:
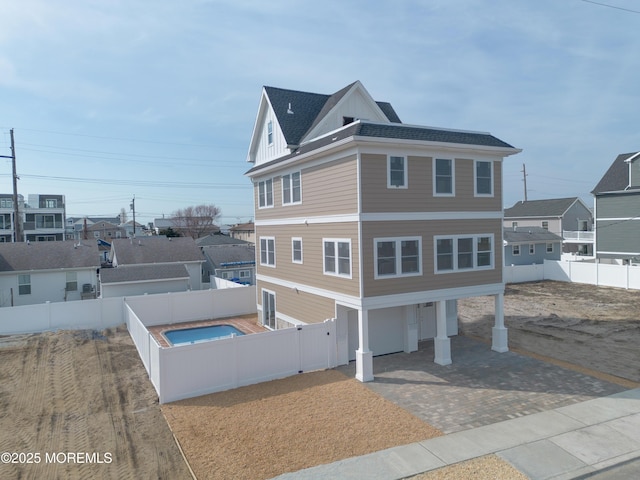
44, 218
105, 231
41, 218
127, 280
228, 258
7, 213
77, 228
128, 227
159, 251
378, 224
617, 210
568, 218
530, 246
244, 231
38, 272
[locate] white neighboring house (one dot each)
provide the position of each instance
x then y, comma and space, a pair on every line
152, 265
38, 272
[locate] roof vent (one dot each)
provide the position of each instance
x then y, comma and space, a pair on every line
289, 111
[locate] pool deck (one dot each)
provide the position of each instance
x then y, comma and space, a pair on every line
248, 324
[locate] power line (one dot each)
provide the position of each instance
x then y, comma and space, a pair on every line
611, 6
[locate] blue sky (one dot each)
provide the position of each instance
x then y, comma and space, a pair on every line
157, 98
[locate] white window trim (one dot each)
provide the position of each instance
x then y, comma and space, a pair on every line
293, 260
550, 245
513, 251
453, 178
455, 238
398, 241
266, 205
275, 308
405, 168
282, 180
244, 274
270, 133
274, 251
335, 242
475, 178
532, 249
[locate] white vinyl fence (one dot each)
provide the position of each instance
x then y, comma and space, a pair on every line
95, 314
186, 371
601, 274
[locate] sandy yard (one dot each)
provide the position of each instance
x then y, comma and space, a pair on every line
88, 392
594, 327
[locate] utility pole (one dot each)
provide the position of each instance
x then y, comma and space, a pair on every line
524, 177
17, 235
133, 207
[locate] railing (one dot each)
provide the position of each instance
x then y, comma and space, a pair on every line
579, 236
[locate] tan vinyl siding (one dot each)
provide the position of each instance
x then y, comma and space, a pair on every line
428, 280
310, 272
418, 197
327, 189
302, 306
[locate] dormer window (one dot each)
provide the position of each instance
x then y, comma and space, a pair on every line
270, 132
347, 120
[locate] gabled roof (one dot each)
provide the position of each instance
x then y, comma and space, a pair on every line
244, 227
530, 235
309, 109
218, 240
147, 250
229, 254
369, 131
617, 177
139, 273
19, 257
554, 207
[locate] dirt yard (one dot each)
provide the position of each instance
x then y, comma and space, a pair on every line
596, 328
79, 405
83, 401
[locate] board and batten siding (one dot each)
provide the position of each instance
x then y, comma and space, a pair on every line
418, 197
327, 189
311, 271
428, 280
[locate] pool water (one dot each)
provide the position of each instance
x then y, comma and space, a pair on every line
187, 336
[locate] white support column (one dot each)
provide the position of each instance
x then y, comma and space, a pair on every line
364, 356
442, 343
499, 336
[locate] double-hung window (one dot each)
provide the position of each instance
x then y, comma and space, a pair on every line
443, 177
24, 284
515, 250
397, 172
337, 257
265, 193
532, 249
484, 178
268, 251
270, 133
549, 247
291, 189
72, 282
463, 252
296, 250
396, 257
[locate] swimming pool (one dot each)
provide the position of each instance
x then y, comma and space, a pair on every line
186, 336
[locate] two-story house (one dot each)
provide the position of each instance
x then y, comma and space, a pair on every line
569, 218
617, 210
378, 224
7, 214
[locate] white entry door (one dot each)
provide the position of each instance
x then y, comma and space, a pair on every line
426, 320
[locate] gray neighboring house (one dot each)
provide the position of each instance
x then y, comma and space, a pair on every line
38, 272
228, 258
569, 218
530, 246
143, 279
617, 210
149, 264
